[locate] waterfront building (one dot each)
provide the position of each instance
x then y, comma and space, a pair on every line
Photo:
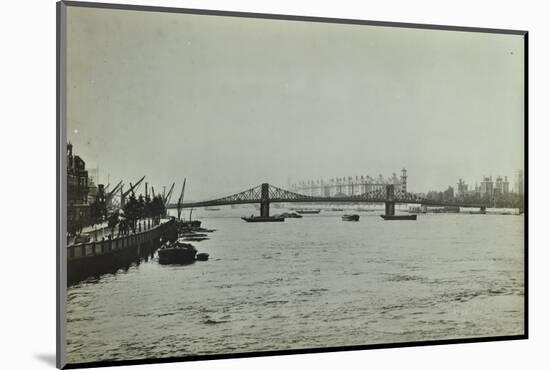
77, 188
93, 175
486, 187
462, 188
349, 185
92, 189
498, 190
448, 195
394, 180
505, 186
77, 178
477, 189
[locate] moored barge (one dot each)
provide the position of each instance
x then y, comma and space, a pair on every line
400, 217
263, 219
177, 253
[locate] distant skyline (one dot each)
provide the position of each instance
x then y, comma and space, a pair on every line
512, 179
230, 102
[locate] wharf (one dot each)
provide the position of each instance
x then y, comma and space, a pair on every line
108, 255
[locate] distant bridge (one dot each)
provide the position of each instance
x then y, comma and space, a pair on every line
265, 194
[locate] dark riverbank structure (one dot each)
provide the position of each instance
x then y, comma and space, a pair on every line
90, 203
109, 255
139, 232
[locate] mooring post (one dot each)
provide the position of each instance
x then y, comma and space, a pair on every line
264, 204
390, 204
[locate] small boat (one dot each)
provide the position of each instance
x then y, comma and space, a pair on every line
406, 217
291, 215
195, 238
337, 209
189, 224
192, 224
202, 256
191, 234
211, 209
308, 211
350, 218
263, 219
177, 253
206, 230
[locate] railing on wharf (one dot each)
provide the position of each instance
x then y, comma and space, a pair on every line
144, 234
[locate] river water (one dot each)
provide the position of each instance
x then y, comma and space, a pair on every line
308, 283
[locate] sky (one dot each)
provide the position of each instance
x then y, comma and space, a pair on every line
230, 102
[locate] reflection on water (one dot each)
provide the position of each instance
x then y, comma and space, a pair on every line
310, 282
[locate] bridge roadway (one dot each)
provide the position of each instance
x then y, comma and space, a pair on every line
265, 194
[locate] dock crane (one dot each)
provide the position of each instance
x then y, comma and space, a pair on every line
133, 189
169, 195
115, 189
110, 195
180, 199
124, 194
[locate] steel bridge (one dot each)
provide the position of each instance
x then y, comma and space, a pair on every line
265, 194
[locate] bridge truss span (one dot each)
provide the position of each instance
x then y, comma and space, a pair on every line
257, 194
265, 194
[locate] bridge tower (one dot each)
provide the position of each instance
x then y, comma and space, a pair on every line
390, 203
404, 180
264, 203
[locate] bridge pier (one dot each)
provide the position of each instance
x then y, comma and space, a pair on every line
264, 209
390, 204
390, 209
264, 204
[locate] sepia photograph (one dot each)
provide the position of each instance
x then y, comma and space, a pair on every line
241, 184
